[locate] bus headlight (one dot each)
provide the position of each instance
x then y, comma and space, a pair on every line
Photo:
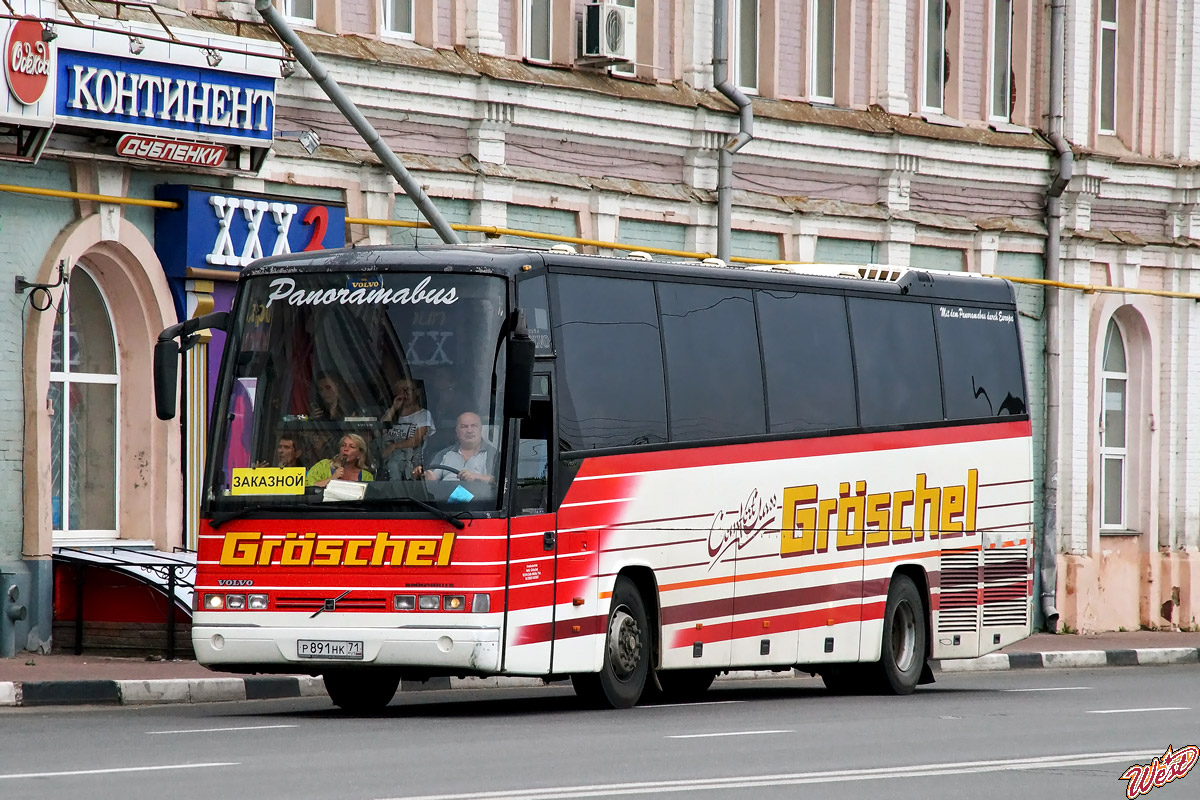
429, 602
235, 602
404, 602
258, 602
214, 602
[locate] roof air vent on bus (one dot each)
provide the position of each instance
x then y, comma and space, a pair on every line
639, 255
713, 262
563, 248
878, 272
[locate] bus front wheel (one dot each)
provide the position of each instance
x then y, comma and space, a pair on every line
361, 691
627, 649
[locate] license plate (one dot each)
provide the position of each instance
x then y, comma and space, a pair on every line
324, 648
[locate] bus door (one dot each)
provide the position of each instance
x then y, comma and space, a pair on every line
764, 614
533, 538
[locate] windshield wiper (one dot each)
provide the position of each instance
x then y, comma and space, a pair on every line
219, 518
432, 509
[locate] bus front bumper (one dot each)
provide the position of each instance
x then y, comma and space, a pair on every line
309, 649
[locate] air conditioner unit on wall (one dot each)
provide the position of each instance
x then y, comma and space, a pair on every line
609, 32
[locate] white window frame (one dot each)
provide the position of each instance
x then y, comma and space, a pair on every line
738, 46
389, 24
928, 39
289, 13
1107, 26
65, 378
528, 33
629, 68
1108, 452
815, 50
1001, 61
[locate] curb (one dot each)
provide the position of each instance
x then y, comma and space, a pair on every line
213, 690
1075, 659
155, 692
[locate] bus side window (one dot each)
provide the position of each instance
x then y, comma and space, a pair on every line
533, 473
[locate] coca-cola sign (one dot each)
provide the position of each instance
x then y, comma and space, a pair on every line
27, 61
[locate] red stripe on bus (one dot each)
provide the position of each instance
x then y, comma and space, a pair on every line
800, 448
786, 623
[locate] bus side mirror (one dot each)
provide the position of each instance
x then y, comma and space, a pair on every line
166, 357
166, 377
518, 378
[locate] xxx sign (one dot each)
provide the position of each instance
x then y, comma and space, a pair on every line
27, 61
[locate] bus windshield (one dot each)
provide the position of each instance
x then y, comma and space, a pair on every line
366, 388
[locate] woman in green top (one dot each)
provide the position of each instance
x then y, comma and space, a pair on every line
350, 464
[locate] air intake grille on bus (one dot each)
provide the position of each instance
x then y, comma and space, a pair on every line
1005, 586
869, 272
345, 604
958, 601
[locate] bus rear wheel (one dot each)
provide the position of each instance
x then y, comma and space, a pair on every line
905, 639
361, 691
627, 649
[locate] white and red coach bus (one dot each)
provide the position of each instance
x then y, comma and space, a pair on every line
685, 469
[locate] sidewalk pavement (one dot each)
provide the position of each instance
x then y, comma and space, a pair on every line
59, 679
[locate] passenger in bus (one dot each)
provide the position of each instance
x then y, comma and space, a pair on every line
404, 441
287, 454
330, 404
472, 457
446, 398
350, 464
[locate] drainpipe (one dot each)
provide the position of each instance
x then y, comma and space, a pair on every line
745, 128
350, 111
1065, 166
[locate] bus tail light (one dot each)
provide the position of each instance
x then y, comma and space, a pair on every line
214, 602
258, 602
404, 602
481, 603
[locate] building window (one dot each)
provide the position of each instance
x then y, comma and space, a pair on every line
300, 10
745, 40
83, 399
398, 17
934, 57
1108, 66
536, 22
1002, 84
1113, 431
822, 45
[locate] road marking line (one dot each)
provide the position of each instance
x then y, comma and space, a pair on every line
1138, 710
116, 770
794, 779
727, 733
1054, 689
698, 703
222, 730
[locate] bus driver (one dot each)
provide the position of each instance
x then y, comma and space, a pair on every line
474, 458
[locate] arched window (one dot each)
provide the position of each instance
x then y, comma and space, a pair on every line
1113, 431
83, 406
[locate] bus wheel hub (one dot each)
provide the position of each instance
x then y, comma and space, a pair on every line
624, 644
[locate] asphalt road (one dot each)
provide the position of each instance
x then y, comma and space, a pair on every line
1045, 733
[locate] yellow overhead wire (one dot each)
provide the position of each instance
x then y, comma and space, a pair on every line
493, 231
